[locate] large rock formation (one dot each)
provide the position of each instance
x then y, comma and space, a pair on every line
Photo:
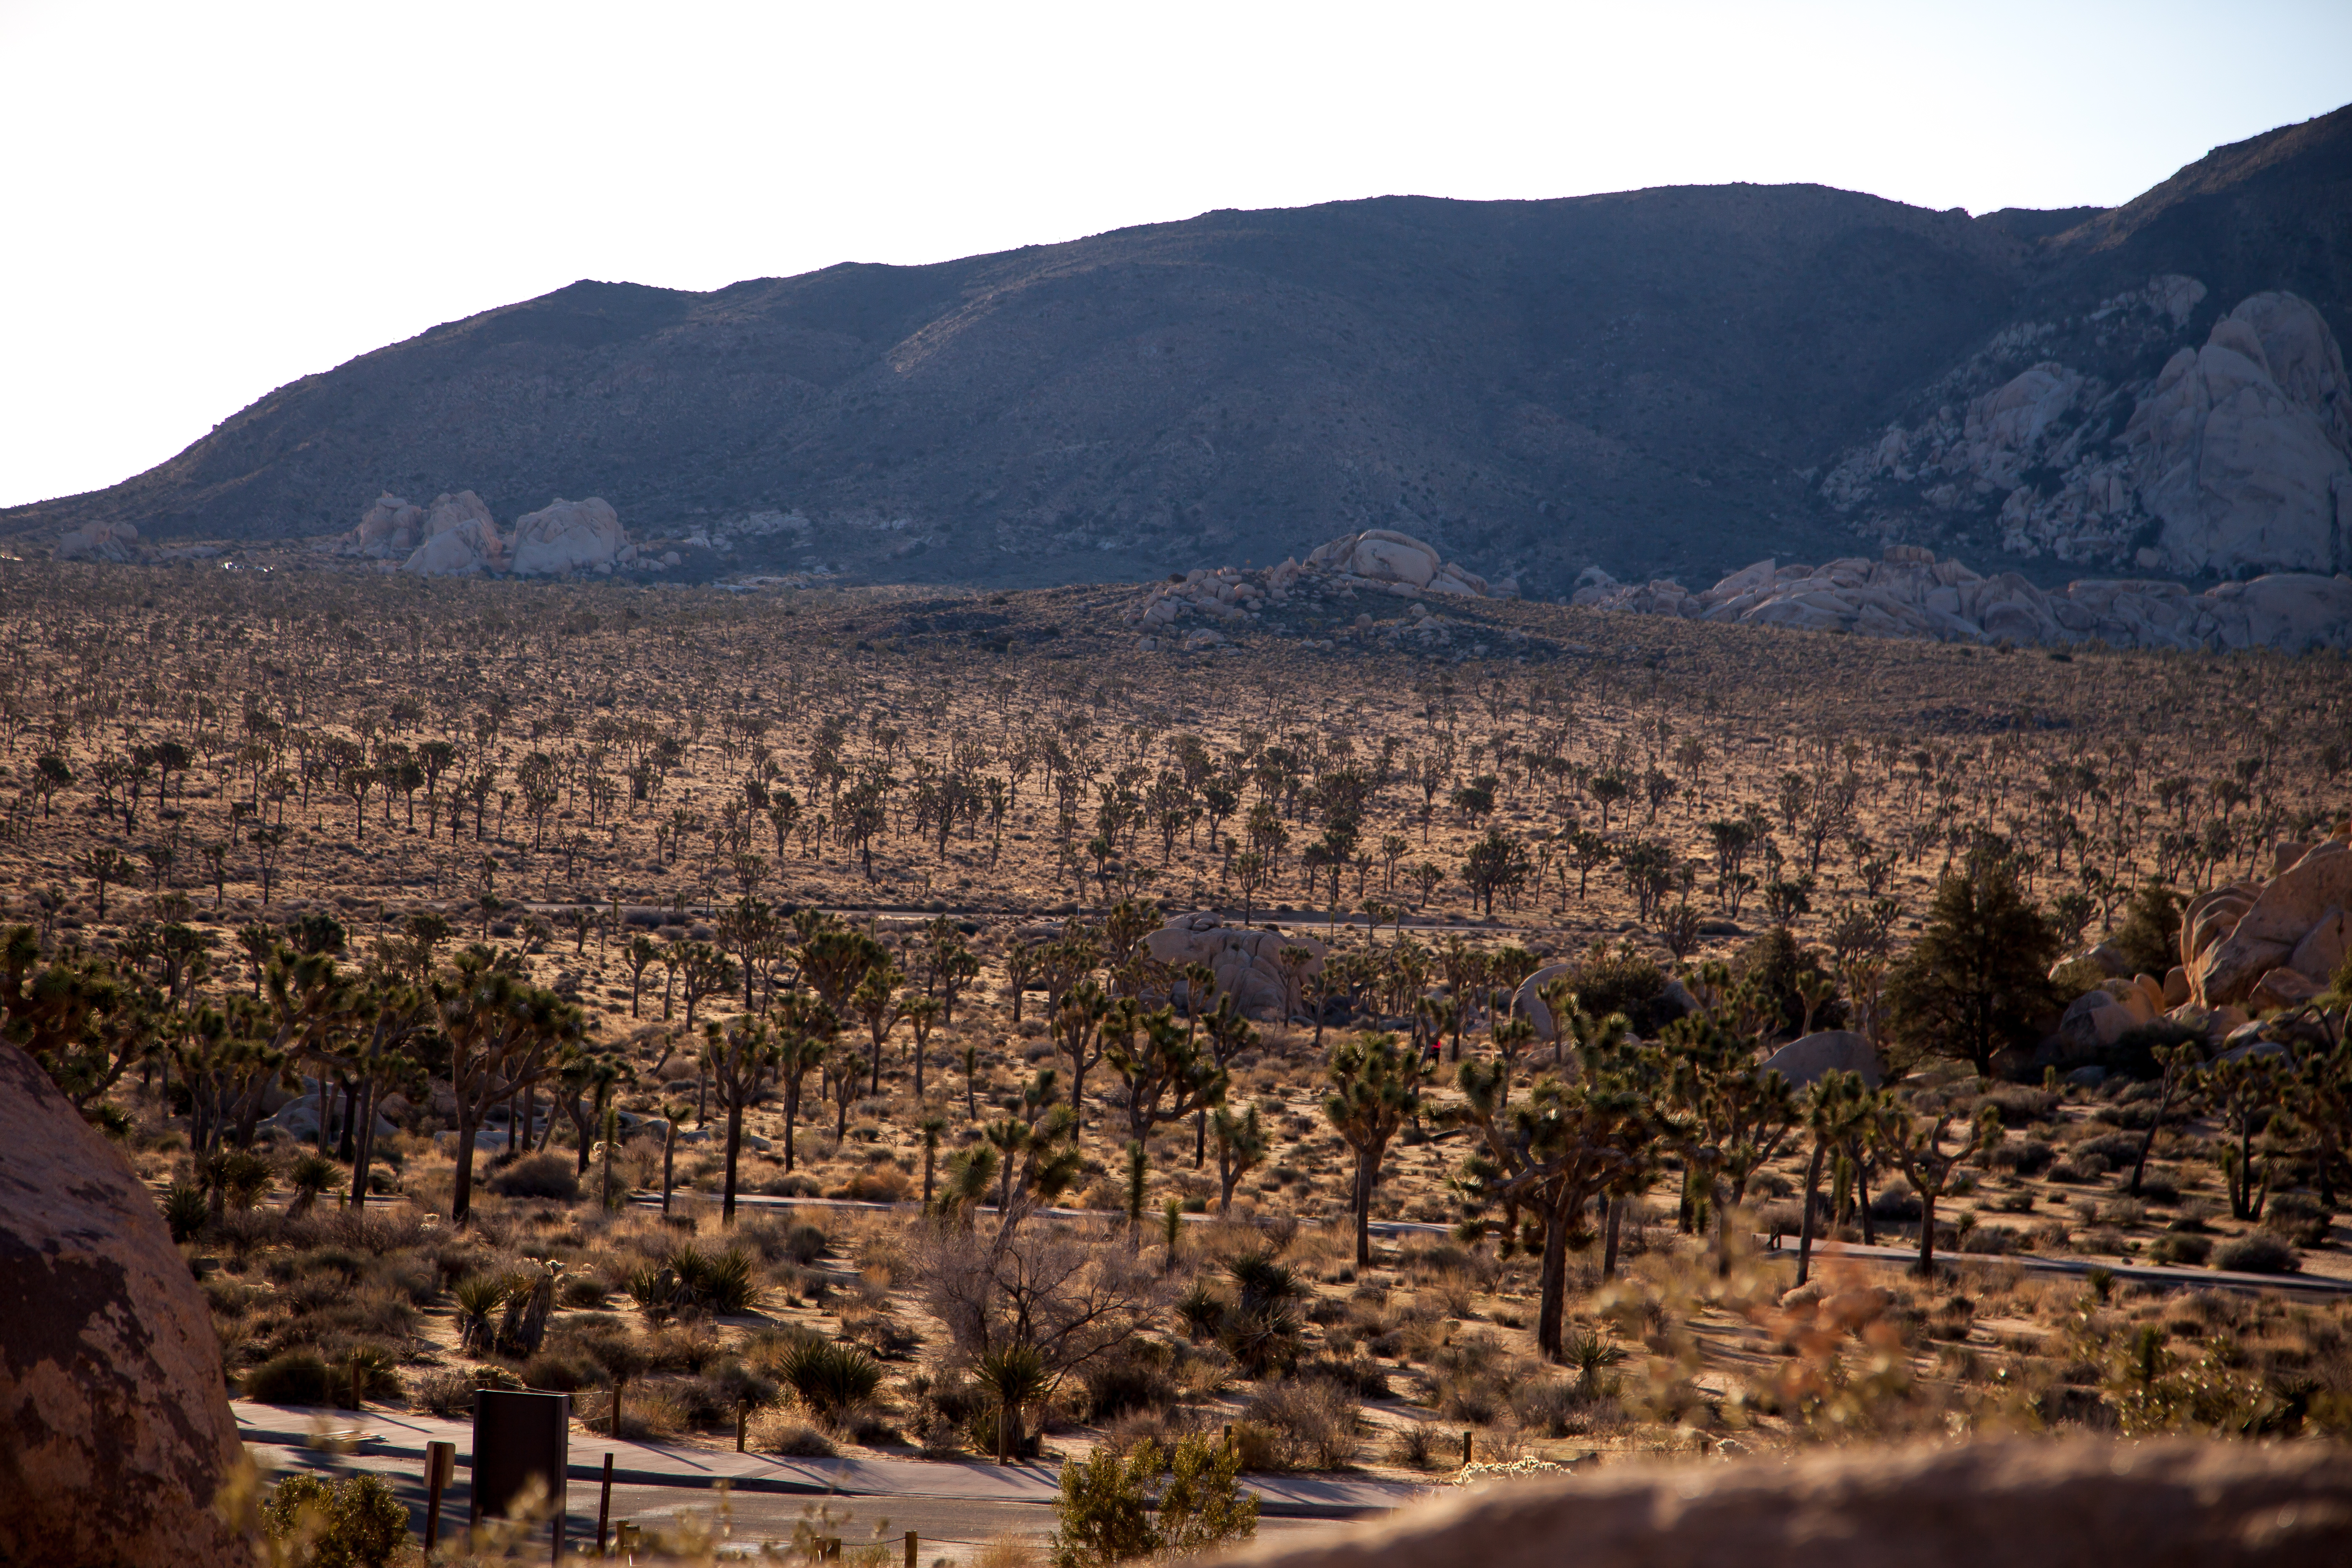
115, 1412
2023, 1503
456, 536
392, 527
1910, 594
1247, 961
459, 537
2235, 457
116, 542
568, 536
2283, 936
2243, 447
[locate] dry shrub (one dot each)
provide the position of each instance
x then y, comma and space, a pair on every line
1299, 1425
774, 1432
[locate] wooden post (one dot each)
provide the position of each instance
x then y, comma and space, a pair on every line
1465, 1449
440, 1464
914, 1544
605, 1505
742, 1415
359, 1390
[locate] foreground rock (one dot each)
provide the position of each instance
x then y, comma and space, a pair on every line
2020, 1503
1910, 594
1247, 961
115, 1412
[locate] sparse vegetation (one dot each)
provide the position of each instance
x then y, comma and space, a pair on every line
869, 925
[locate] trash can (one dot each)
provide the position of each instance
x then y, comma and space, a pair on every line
520, 1437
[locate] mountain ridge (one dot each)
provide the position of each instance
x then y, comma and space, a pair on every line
1655, 381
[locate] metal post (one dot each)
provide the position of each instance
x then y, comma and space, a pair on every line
605, 1505
440, 1464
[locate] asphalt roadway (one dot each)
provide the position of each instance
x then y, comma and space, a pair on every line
664, 1489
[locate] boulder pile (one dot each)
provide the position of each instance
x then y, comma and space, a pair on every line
1247, 961
1377, 560
456, 536
2276, 943
1908, 593
2262, 946
116, 542
1380, 557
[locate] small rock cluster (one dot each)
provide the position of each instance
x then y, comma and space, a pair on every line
1377, 560
1911, 594
456, 536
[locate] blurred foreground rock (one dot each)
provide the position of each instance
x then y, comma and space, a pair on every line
2017, 1503
115, 1430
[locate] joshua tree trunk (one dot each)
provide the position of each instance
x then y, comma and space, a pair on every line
1805, 1229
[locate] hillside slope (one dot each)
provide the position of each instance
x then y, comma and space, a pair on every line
1656, 381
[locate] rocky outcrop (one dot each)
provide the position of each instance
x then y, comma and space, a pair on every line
1381, 556
2243, 448
1247, 961
2235, 457
392, 527
116, 542
456, 536
1910, 594
1806, 1060
569, 536
112, 1396
1377, 561
2276, 942
2021, 1502
459, 537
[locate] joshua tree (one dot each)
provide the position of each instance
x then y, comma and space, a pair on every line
740, 1056
1375, 1089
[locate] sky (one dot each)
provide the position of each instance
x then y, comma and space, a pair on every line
200, 202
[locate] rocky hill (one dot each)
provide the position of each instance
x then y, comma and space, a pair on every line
1664, 381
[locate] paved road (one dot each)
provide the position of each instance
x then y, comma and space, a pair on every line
956, 1506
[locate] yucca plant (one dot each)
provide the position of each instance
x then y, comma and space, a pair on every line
185, 1211
311, 1176
1591, 1353
655, 1290
1201, 1310
721, 1284
1015, 1378
477, 1297
829, 1378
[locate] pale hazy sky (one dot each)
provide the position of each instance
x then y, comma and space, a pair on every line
200, 202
